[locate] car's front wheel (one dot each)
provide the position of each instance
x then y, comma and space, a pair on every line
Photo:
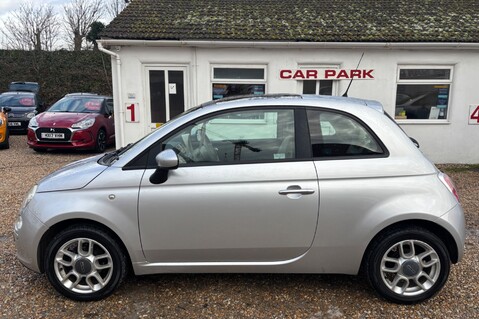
407, 265
84, 263
101, 141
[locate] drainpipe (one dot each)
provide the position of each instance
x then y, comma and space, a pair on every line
120, 120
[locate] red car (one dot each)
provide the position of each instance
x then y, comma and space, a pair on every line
77, 121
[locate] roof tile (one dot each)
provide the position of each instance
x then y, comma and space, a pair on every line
299, 20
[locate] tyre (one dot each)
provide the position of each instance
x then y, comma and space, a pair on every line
101, 141
84, 263
407, 265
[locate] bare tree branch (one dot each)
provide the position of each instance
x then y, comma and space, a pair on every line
114, 7
31, 26
79, 15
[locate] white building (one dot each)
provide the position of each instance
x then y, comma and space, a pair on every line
168, 56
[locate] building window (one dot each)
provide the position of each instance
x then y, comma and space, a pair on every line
319, 87
423, 93
231, 81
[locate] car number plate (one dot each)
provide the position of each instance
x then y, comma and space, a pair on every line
14, 124
53, 135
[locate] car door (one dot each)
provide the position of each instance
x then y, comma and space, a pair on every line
240, 193
110, 120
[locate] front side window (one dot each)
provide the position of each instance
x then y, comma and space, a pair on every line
233, 81
219, 140
423, 93
338, 135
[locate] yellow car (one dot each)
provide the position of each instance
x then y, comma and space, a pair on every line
4, 143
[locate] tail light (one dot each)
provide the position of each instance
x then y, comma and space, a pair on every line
447, 181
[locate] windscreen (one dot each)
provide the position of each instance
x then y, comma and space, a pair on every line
17, 101
77, 105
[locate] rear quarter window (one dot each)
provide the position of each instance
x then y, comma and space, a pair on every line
337, 135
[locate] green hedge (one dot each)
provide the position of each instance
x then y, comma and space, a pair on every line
57, 72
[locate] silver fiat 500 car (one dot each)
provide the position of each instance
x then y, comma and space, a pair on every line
273, 184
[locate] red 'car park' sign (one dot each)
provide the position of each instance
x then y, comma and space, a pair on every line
326, 74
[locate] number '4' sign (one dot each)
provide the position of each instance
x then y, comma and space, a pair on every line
475, 113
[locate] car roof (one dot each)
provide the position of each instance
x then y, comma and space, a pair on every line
81, 94
18, 93
334, 102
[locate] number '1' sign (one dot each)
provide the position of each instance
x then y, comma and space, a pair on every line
473, 114
132, 113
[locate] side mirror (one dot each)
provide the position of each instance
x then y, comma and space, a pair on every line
415, 141
6, 109
166, 161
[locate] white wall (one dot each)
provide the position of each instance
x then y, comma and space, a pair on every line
451, 142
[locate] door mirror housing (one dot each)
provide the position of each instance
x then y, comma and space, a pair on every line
414, 141
6, 109
166, 161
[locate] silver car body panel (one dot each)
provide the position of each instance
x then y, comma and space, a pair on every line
232, 218
72, 176
230, 213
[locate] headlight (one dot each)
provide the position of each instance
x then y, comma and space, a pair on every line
30, 115
84, 124
1, 122
33, 123
29, 197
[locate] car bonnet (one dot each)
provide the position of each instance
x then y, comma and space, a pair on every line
72, 176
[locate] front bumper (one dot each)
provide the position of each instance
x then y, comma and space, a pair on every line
81, 139
18, 124
27, 233
3, 135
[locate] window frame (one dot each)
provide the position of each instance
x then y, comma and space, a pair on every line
306, 66
379, 142
214, 80
302, 140
449, 82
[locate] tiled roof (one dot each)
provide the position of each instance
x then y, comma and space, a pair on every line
299, 20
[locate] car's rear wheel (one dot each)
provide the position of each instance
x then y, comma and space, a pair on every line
84, 263
408, 265
101, 141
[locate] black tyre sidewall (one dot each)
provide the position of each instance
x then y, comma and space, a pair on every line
118, 259
98, 147
386, 242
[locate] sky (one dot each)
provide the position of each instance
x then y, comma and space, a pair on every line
8, 6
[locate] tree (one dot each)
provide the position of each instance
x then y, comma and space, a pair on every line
79, 15
114, 7
31, 27
94, 33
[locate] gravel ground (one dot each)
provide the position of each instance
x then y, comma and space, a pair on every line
24, 294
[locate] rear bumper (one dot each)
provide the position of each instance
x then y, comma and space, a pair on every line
454, 222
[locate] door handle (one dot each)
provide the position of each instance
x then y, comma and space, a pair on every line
296, 190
